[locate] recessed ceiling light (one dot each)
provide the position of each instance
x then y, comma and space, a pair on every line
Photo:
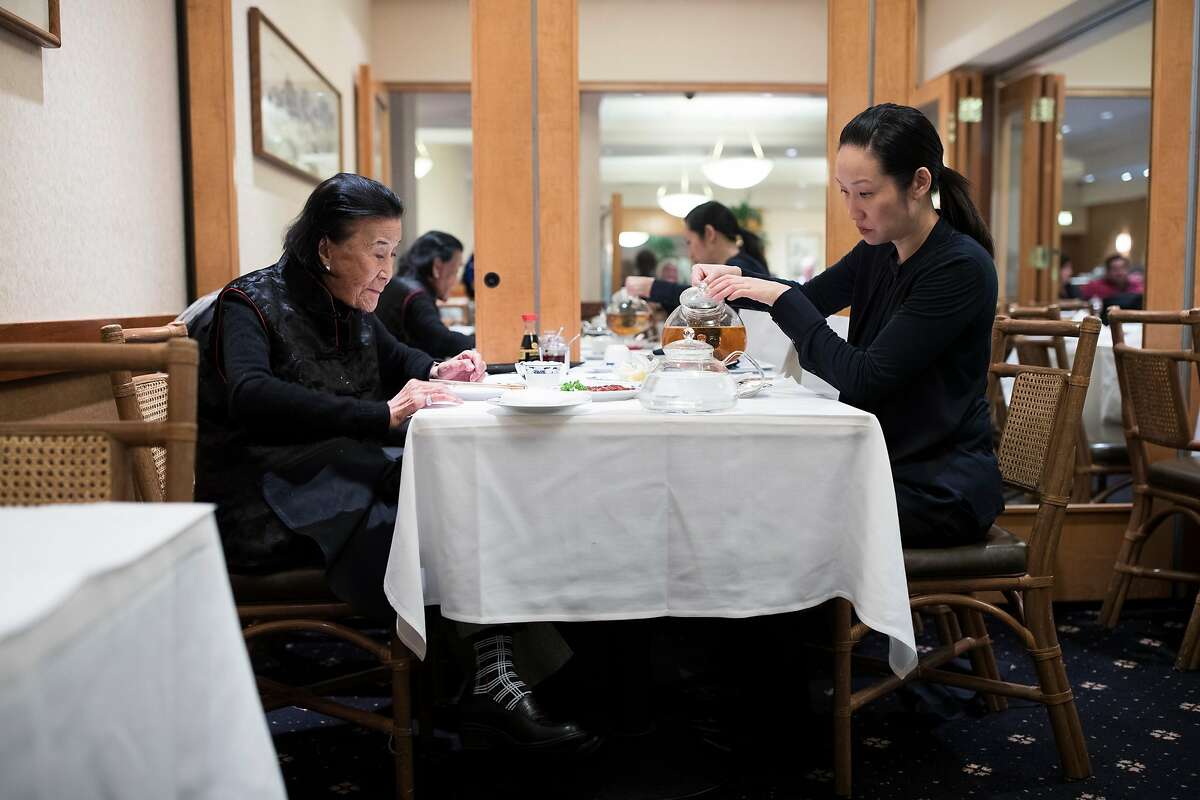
1146, 172
1126, 176
1065, 129
1089, 178
792, 152
1065, 218
1106, 115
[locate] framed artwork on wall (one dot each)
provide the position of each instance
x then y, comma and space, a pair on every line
295, 111
36, 20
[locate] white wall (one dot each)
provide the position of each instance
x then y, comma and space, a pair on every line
91, 174
702, 40
1125, 60
954, 33
333, 35
421, 40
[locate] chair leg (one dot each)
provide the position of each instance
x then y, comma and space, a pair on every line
842, 645
1118, 586
1130, 554
1189, 650
1056, 689
402, 743
983, 659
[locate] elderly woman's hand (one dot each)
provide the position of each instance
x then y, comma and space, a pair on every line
706, 272
466, 366
414, 396
736, 287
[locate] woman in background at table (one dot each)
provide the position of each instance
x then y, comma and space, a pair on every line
300, 387
713, 236
408, 306
922, 289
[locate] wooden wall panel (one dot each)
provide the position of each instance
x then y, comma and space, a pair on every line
848, 78
364, 113
1169, 169
895, 51
1091, 537
558, 163
210, 154
502, 125
853, 86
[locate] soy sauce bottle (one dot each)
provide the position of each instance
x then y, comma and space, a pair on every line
529, 339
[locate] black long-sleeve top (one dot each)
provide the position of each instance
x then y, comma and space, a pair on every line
917, 356
409, 311
666, 294
274, 407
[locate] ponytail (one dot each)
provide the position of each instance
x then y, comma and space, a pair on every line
752, 245
904, 140
959, 210
725, 223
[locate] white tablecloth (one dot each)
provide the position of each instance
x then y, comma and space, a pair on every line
122, 668
609, 511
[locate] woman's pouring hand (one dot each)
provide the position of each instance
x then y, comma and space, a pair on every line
737, 287
414, 396
466, 366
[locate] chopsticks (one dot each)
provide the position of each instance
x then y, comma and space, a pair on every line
478, 383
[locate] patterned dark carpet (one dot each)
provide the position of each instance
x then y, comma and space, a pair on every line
680, 740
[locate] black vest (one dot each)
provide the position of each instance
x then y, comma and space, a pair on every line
315, 341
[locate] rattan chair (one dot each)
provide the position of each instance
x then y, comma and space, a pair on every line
1034, 455
1096, 462
284, 602
1154, 412
86, 461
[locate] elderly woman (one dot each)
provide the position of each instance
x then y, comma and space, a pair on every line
300, 388
408, 308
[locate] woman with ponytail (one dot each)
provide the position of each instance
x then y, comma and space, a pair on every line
921, 288
408, 307
714, 236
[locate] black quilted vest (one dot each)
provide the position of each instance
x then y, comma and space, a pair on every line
315, 341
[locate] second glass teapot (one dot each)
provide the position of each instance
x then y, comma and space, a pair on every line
713, 321
689, 379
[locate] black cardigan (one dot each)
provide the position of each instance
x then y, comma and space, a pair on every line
917, 356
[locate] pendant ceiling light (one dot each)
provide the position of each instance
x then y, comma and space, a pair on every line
740, 172
678, 204
422, 163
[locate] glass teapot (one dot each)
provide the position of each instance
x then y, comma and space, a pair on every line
627, 315
689, 379
712, 320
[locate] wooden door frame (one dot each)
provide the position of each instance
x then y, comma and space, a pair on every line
1041, 185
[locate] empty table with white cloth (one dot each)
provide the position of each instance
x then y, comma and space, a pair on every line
122, 667
608, 511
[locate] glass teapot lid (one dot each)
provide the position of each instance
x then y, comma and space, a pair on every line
689, 348
698, 309
696, 298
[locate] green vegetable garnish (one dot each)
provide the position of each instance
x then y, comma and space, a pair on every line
574, 386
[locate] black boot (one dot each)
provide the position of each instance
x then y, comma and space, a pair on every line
498, 710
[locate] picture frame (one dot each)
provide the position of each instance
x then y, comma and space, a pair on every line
295, 111
35, 20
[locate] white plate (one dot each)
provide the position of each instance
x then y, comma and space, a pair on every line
478, 391
535, 401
